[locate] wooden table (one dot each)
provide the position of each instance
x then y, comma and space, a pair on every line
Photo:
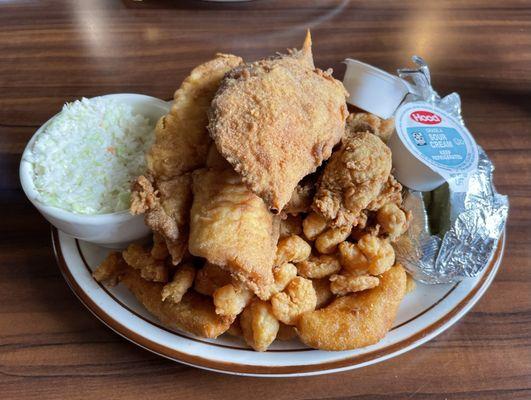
57, 51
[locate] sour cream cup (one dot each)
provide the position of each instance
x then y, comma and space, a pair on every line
410, 170
431, 147
113, 230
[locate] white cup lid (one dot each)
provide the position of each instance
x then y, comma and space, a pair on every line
372, 89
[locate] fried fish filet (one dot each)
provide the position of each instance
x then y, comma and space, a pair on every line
232, 227
181, 138
181, 145
352, 179
276, 120
355, 320
167, 208
194, 313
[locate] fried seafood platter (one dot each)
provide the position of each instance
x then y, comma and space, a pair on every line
273, 210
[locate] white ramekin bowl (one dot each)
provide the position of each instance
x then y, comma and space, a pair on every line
114, 230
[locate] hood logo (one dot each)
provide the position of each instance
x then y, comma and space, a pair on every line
425, 117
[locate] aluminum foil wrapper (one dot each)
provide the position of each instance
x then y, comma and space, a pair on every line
452, 235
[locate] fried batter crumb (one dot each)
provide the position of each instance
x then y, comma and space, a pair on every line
343, 284
181, 282
111, 269
298, 297
140, 259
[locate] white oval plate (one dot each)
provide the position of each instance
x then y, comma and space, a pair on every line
424, 313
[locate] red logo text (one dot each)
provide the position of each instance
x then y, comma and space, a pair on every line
425, 117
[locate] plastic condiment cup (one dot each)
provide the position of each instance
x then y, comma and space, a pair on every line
374, 90
431, 147
410, 171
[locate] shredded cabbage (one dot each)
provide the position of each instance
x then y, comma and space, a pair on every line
85, 160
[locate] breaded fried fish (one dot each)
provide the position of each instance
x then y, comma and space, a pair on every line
194, 313
167, 208
181, 138
365, 122
181, 145
355, 320
276, 120
352, 179
231, 227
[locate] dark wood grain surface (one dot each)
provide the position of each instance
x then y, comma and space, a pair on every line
57, 51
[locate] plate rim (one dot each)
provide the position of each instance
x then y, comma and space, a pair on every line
352, 362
